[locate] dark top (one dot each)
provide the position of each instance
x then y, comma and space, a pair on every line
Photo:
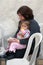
34, 27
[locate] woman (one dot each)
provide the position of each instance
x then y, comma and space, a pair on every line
25, 13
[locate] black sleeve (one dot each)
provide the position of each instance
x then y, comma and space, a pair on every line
24, 41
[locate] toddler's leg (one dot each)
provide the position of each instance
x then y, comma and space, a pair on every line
15, 46
12, 47
18, 46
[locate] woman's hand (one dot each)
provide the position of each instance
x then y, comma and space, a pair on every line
10, 40
16, 40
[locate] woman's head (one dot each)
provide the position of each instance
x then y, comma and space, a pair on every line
25, 13
25, 25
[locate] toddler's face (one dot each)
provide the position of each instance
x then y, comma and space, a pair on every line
24, 26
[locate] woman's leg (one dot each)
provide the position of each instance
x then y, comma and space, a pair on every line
20, 46
8, 55
12, 47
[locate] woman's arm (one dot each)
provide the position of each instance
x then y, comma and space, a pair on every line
24, 41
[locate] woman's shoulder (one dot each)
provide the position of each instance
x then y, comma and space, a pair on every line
34, 26
34, 22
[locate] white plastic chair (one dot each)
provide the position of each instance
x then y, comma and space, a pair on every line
24, 61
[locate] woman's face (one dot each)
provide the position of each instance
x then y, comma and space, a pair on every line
21, 17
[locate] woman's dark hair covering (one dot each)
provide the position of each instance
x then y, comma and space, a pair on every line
26, 12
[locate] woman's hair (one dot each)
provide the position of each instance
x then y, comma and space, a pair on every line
26, 12
26, 23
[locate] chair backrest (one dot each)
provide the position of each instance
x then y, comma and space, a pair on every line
38, 38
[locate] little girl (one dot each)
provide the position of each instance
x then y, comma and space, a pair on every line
23, 33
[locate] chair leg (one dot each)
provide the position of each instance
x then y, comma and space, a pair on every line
36, 62
29, 57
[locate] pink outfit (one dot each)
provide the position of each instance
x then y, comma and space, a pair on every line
14, 45
25, 32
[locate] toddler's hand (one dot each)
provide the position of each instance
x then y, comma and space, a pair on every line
10, 40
